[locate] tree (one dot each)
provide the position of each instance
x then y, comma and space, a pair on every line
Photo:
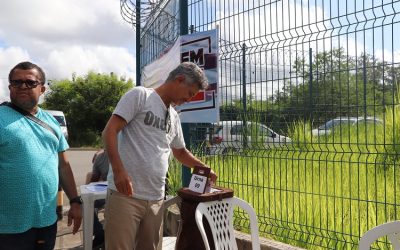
87, 102
336, 84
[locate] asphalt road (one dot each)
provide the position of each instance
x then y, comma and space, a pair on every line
81, 164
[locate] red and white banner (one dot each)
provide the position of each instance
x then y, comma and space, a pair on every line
200, 48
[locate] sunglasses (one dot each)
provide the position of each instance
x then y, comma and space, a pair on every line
167, 121
28, 83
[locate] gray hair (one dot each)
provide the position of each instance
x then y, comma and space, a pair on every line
193, 75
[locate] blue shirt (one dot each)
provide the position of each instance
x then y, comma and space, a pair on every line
28, 171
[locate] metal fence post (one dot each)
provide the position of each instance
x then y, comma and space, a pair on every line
310, 85
138, 73
244, 98
183, 12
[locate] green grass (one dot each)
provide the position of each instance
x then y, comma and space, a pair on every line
320, 192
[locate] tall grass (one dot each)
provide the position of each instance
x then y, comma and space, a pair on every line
319, 192
174, 179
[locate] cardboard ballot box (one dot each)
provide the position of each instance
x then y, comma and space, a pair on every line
189, 237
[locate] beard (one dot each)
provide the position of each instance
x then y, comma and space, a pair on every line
27, 104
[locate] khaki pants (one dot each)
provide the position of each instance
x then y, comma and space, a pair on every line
132, 223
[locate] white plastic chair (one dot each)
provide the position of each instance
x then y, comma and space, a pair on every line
390, 229
169, 242
219, 215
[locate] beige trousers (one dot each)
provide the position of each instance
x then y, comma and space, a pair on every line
132, 224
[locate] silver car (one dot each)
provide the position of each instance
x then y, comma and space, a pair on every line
229, 136
344, 122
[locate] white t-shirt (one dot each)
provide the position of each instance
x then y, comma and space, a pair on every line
144, 144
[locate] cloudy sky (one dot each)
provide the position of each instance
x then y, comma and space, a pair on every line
65, 36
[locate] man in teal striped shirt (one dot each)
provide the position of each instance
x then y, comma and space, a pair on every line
32, 163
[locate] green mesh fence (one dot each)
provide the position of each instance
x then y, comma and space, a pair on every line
310, 107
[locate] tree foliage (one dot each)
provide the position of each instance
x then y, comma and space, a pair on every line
336, 84
333, 84
87, 102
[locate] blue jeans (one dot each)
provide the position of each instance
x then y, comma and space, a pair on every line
34, 239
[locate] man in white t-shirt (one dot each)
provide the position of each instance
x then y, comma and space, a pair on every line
139, 137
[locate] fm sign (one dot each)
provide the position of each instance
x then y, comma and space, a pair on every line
194, 56
196, 50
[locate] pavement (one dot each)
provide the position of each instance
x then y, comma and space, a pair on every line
65, 238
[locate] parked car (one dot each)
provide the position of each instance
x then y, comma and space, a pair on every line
344, 122
229, 136
60, 117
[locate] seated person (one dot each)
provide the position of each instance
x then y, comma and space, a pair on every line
99, 173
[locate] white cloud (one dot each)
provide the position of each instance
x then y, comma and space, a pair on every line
64, 37
278, 33
8, 58
386, 55
80, 60
273, 44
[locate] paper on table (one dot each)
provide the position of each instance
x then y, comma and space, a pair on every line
214, 190
97, 187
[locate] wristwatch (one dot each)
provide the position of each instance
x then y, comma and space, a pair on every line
77, 199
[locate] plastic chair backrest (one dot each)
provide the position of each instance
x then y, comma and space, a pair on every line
219, 215
169, 202
390, 229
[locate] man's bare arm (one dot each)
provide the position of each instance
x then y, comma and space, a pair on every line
110, 138
67, 182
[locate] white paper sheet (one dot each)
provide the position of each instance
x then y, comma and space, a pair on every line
97, 187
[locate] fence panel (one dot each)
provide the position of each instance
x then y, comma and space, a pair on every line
310, 103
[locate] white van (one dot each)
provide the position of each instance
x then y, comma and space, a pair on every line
228, 136
60, 117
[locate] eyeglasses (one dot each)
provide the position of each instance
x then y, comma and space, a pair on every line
28, 83
167, 121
